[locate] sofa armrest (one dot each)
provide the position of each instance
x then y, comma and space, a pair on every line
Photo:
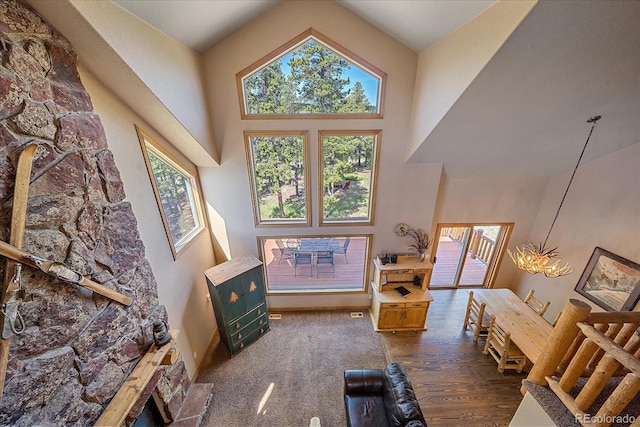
400, 400
363, 381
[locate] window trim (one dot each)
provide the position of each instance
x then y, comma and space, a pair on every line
279, 222
149, 144
377, 134
298, 40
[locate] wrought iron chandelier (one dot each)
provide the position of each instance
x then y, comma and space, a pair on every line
537, 258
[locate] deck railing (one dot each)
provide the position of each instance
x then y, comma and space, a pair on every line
599, 346
481, 246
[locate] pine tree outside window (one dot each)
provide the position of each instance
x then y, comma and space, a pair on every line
278, 173
177, 194
348, 163
311, 77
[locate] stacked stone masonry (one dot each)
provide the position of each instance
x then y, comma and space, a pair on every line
78, 347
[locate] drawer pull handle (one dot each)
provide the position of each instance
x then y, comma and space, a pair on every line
239, 336
261, 330
260, 323
241, 345
238, 325
259, 312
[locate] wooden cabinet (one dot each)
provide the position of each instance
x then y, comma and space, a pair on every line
391, 311
238, 298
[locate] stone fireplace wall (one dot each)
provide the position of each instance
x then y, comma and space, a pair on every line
78, 347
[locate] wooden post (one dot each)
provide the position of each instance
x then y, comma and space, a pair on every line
475, 242
559, 341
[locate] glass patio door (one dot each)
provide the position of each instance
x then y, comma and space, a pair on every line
467, 254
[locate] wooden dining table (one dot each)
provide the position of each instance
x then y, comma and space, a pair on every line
529, 331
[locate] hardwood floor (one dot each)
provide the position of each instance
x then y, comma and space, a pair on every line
455, 383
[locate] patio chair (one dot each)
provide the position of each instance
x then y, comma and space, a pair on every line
302, 258
325, 258
285, 253
343, 249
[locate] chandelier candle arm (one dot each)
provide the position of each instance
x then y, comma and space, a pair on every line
534, 258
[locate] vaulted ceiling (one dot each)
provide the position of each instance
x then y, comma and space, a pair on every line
525, 112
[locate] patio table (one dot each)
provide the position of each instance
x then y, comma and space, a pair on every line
318, 245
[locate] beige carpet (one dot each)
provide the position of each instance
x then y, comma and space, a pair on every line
293, 373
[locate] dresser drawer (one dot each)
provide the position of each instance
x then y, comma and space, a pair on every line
388, 305
417, 304
250, 337
240, 335
406, 271
249, 317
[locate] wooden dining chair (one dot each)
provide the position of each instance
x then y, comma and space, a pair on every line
537, 305
555, 321
506, 353
476, 318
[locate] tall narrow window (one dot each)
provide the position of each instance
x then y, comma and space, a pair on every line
177, 194
348, 163
311, 76
277, 164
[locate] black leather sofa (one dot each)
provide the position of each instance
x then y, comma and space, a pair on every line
381, 397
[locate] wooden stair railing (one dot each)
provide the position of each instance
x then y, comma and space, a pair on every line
599, 346
613, 356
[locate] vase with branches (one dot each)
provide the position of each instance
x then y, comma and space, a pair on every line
421, 242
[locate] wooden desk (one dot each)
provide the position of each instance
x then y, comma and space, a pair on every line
389, 310
529, 331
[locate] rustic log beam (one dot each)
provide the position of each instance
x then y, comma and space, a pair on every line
130, 392
559, 342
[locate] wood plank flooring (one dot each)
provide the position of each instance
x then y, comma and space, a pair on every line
348, 270
445, 269
455, 383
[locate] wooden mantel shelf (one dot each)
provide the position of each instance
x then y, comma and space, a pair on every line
134, 385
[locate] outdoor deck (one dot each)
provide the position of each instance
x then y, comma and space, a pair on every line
349, 270
446, 266
281, 275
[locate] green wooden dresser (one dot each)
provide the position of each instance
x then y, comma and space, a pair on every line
238, 298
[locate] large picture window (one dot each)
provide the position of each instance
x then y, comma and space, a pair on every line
311, 76
177, 194
348, 171
314, 264
279, 175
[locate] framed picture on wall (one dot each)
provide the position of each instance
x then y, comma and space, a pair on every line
610, 281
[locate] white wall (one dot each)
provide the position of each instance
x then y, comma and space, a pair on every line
447, 68
406, 193
493, 200
602, 209
154, 74
181, 285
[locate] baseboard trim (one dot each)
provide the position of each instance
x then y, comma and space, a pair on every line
316, 308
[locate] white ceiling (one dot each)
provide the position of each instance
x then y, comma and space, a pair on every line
203, 23
525, 113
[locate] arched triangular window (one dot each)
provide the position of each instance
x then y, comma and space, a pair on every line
311, 77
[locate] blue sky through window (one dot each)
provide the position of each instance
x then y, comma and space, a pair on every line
354, 73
